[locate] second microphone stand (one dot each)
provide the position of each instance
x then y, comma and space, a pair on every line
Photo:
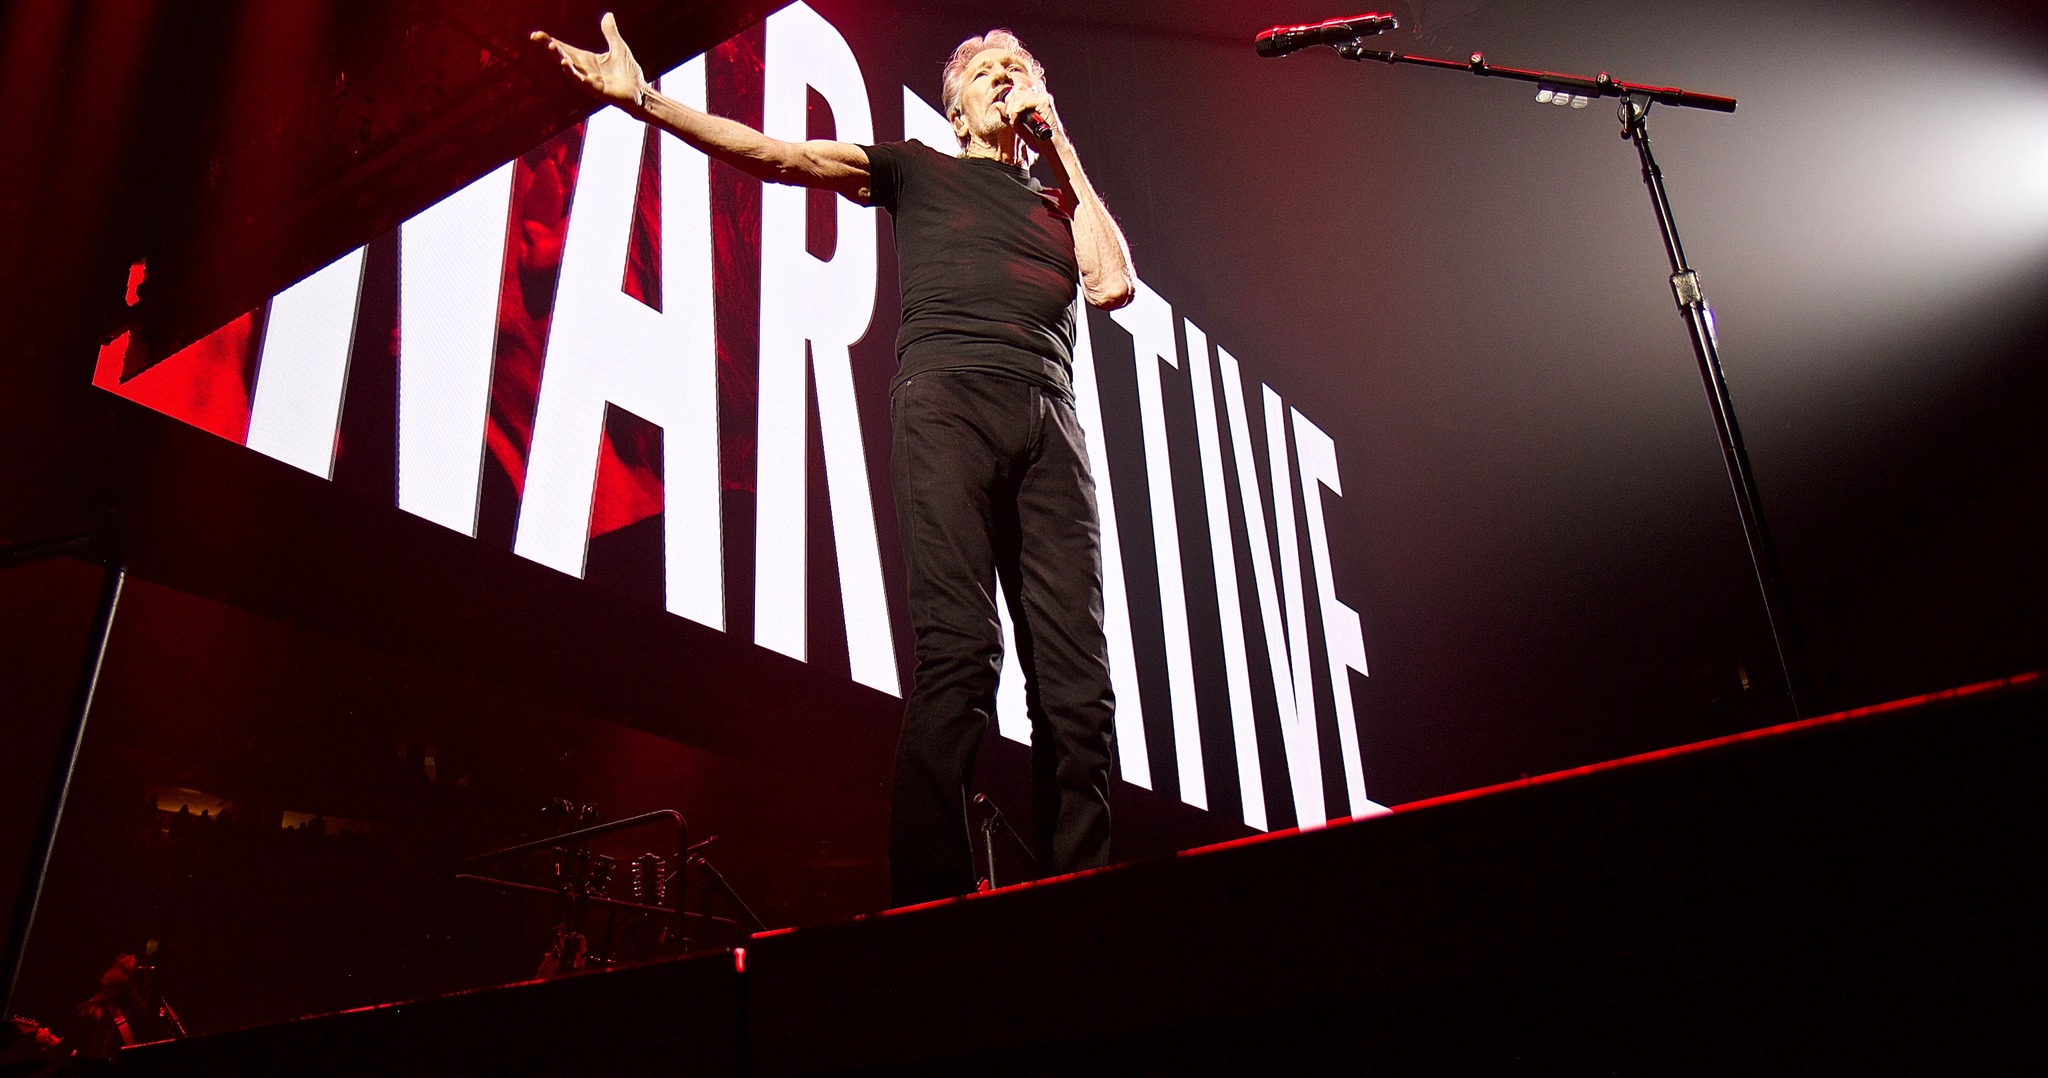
1636, 99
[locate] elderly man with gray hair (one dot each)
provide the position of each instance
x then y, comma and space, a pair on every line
990, 467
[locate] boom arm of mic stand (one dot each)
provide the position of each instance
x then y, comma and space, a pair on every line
1601, 85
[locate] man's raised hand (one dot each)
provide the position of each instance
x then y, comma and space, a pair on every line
612, 76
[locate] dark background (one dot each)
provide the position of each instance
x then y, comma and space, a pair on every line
1463, 288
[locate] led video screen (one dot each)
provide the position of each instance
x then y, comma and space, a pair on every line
611, 333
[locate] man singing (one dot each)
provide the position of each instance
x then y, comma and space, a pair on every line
989, 464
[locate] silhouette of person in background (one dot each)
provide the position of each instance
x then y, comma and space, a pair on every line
123, 1012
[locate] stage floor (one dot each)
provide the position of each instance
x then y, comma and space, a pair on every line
1855, 894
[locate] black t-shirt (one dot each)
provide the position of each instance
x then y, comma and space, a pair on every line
985, 262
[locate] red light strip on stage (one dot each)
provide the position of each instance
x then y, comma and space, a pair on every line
2017, 681
1982, 688
1908, 703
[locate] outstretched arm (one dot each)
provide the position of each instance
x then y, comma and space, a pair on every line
613, 76
1107, 279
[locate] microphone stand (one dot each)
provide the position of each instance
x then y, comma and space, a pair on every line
993, 822
169, 1014
717, 879
1575, 91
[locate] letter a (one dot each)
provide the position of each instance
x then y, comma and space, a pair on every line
607, 347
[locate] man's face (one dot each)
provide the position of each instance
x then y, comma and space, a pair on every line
991, 76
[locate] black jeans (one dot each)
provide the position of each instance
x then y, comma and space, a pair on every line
992, 478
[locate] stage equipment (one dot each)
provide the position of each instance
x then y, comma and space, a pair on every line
649, 876
993, 821
153, 996
597, 874
716, 880
1281, 40
95, 547
1576, 91
581, 880
23, 1039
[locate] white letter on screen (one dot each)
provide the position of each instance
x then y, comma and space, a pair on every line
607, 347
1149, 320
1133, 762
1304, 752
1013, 717
451, 260
922, 123
1223, 556
827, 305
302, 370
1304, 768
1342, 635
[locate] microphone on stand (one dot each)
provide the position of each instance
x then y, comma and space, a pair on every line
1281, 40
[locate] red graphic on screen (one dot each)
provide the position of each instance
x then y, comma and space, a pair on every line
210, 382
206, 384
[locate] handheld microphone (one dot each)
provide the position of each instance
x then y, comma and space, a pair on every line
1038, 129
1281, 40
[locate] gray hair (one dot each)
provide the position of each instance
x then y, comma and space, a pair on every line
956, 68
